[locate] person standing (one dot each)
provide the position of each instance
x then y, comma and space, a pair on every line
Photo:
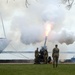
45, 56
36, 56
55, 55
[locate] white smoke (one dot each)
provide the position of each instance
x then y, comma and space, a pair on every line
32, 28
52, 14
32, 34
28, 33
35, 32
64, 36
28, 23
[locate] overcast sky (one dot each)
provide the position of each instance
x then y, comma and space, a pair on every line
25, 27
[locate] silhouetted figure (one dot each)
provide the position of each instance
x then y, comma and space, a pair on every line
36, 56
55, 55
45, 56
41, 55
49, 59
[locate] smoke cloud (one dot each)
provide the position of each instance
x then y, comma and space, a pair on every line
27, 24
64, 36
25, 27
32, 35
32, 24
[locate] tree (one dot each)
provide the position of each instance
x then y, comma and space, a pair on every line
68, 3
26, 3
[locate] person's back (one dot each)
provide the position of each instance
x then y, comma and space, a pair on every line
55, 55
56, 52
45, 56
36, 55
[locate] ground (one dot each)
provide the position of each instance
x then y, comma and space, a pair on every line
36, 69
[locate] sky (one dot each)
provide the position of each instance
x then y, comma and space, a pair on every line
25, 27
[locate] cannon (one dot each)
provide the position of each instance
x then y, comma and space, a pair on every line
42, 52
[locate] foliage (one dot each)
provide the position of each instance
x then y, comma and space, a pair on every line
68, 3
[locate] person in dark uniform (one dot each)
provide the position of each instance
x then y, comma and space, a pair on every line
41, 56
36, 56
49, 59
45, 56
55, 55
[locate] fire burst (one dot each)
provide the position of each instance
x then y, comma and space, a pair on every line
48, 28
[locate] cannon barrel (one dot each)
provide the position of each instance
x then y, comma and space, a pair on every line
45, 47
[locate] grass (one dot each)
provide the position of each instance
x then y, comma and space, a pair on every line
39, 69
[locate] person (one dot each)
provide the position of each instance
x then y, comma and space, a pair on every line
55, 55
45, 56
49, 59
36, 56
41, 55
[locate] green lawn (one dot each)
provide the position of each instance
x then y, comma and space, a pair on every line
33, 69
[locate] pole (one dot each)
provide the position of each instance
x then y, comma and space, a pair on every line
3, 27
